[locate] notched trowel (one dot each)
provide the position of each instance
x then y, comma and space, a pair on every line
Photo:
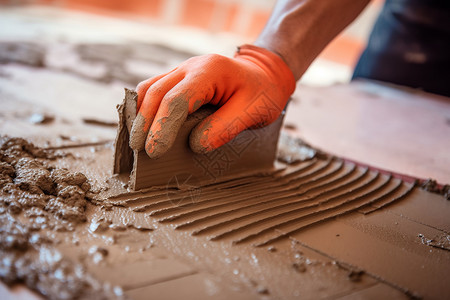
252, 151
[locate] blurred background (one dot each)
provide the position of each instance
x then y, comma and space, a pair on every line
134, 39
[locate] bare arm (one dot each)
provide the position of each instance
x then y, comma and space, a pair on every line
298, 30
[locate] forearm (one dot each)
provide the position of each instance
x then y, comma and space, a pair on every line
298, 30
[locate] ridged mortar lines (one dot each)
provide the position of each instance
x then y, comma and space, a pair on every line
211, 197
320, 215
136, 197
261, 209
402, 189
166, 199
246, 198
291, 200
305, 211
286, 233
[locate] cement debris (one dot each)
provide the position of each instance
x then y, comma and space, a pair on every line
294, 150
37, 199
432, 186
37, 118
216, 227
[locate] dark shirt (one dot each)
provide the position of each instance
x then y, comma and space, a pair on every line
410, 45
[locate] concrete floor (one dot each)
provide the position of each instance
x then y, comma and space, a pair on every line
391, 128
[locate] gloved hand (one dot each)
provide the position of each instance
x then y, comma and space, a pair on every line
251, 89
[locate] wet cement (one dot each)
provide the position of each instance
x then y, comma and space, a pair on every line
38, 200
153, 246
260, 210
264, 235
56, 241
315, 226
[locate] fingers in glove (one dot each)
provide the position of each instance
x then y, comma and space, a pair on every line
143, 86
149, 107
231, 119
174, 108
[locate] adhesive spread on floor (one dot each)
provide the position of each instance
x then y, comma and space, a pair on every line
250, 208
263, 208
248, 229
267, 209
215, 228
331, 229
66, 234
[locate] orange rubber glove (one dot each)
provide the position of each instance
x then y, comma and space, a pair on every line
251, 89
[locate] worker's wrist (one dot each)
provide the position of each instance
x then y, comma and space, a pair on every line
272, 62
291, 59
